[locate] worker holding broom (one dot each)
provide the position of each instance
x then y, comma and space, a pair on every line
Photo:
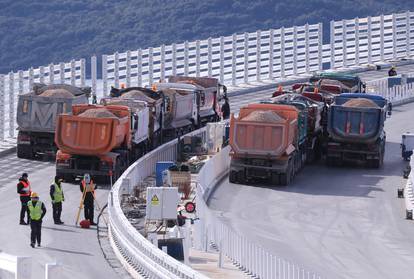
87, 187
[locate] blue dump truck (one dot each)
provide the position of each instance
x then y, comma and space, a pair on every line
356, 130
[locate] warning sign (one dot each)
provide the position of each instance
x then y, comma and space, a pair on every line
155, 200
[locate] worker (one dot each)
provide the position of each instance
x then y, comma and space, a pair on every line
37, 211
57, 196
24, 190
392, 72
88, 202
225, 108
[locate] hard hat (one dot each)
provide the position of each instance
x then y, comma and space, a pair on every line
154, 87
280, 88
34, 195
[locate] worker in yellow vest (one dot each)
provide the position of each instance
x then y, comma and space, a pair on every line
88, 187
57, 196
37, 211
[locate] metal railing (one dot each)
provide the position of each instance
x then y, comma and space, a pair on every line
137, 254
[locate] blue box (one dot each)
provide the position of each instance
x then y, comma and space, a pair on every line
159, 168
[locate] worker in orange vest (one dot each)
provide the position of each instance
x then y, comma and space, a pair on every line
24, 190
88, 202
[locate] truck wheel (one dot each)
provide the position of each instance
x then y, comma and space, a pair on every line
275, 179
24, 152
233, 177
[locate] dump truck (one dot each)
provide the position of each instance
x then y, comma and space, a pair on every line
154, 101
265, 143
314, 110
333, 82
99, 139
36, 116
356, 129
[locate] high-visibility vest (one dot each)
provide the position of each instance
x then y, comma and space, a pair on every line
26, 189
35, 211
89, 188
58, 194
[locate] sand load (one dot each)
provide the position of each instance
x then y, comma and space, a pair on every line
263, 116
97, 113
137, 95
57, 93
360, 103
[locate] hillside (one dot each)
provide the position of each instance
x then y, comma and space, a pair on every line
35, 33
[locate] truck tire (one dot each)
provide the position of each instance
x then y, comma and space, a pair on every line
233, 177
24, 152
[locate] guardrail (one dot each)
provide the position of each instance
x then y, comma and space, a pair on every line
409, 190
137, 254
245, 254
20, 267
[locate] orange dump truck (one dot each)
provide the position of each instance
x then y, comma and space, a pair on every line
94, 139
264, 144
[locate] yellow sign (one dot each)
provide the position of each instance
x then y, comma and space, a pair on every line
155, 200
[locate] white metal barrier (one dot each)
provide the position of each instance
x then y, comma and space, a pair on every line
371, 39
20, 267
239, 58
14, 84
245, 254
137, 254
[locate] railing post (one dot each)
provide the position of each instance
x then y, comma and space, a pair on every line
61, 73
2, 107
295, 50
82, 72
357, 41
408, 33
186, 58
128, 69
246, 57
222, 59
53, 271
369, 38
116, 70
93, 75
162, 63
105, 75
209, 58
174, 59
282, 52
307, 48
73, 72
139, 67
332, 38
23, 268
394, 37
344, 44
258, 55
382, 36
197, 58
51, 73
271, 52
11, 105
320, 46
21, 82
150, 66
42, 74
233, 59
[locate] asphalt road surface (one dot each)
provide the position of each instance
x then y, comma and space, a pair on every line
340, 222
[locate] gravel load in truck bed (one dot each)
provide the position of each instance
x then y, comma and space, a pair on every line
360, 103
97, 113
263, 116
137, 95
58, 93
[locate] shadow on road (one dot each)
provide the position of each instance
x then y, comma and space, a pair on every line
59, 229
67, 251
